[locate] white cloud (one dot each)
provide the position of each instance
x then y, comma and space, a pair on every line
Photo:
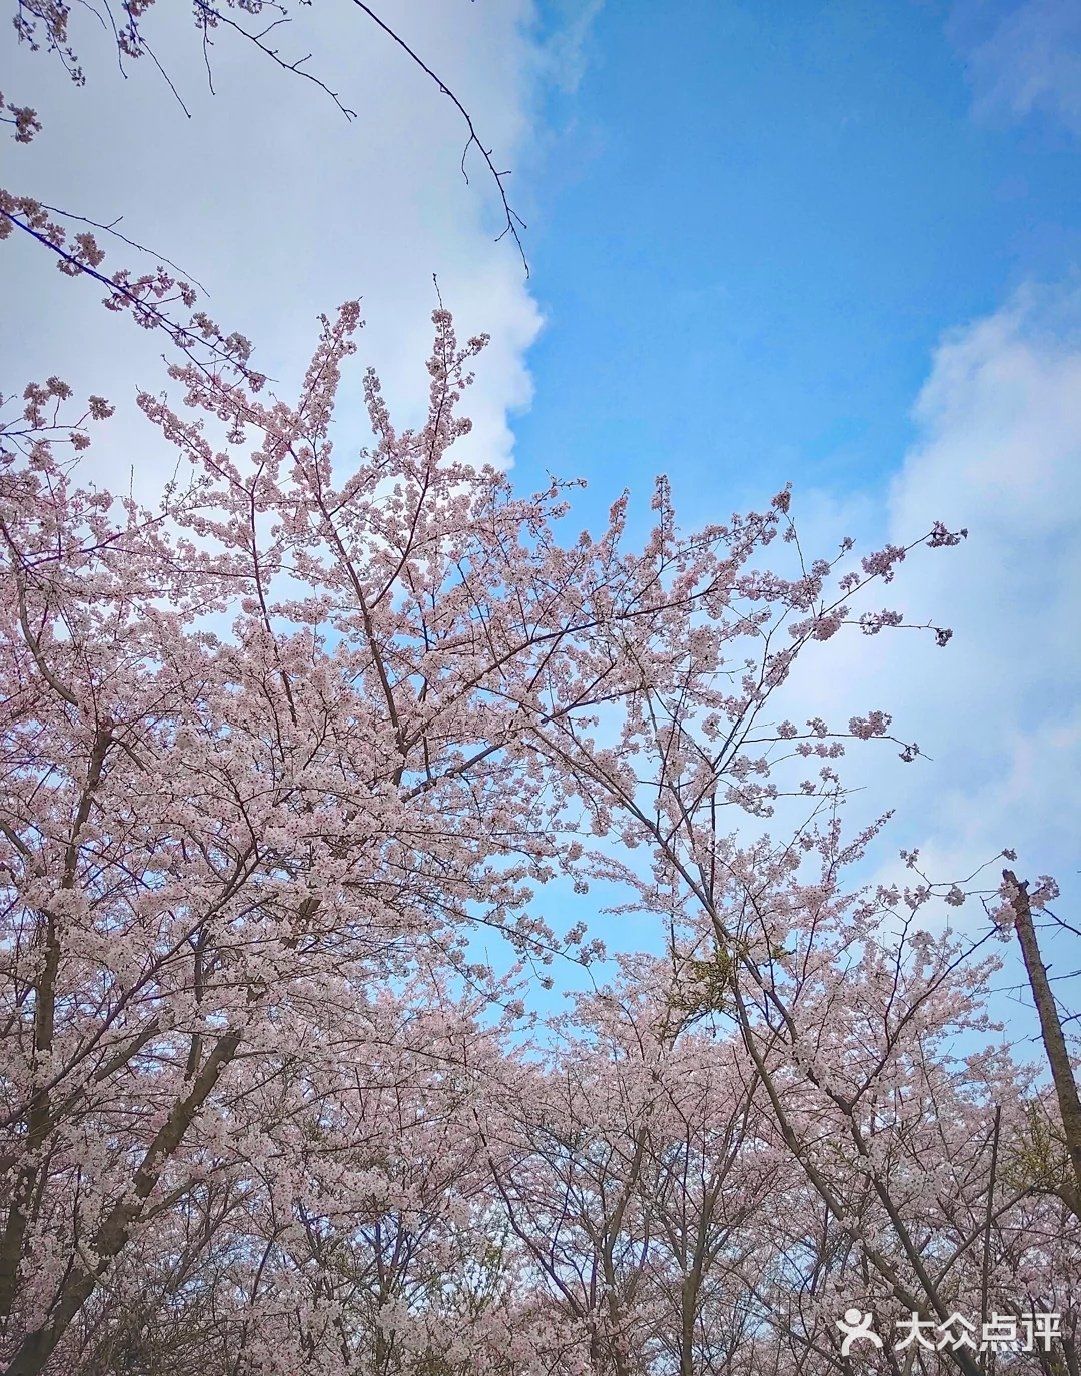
566, 58
283, 208
999, 451
1030, 61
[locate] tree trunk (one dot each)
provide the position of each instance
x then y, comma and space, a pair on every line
1058, 1058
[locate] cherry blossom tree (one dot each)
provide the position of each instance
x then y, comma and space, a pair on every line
286, 756
849, 1012
272, 752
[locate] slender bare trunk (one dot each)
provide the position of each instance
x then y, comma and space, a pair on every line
1054, 1042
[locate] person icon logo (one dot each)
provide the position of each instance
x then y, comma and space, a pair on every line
856, 1325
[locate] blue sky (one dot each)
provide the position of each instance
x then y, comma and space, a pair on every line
756, 223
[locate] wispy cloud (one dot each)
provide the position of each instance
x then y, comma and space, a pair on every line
998, 451
1029, 62
566, 52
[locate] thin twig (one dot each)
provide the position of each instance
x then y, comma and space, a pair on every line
513, 219
208, 12
131, 243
